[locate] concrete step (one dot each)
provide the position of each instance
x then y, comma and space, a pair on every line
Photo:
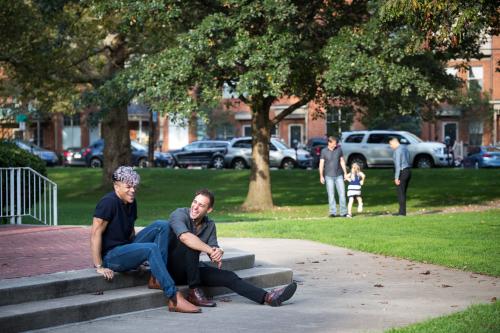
49, 286
87, 306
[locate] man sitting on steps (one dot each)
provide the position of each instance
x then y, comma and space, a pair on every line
116, 248
195, 234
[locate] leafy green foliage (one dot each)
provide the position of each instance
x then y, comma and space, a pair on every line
11, 156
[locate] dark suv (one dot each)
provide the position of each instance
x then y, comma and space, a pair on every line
204, 153
314, 147
94, 155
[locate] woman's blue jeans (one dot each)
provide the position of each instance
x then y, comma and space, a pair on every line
150, 244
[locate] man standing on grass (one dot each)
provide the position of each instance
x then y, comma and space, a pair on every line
332, 171
196, 233
402, 174
116, 248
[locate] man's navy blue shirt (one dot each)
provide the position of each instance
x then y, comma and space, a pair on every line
121, 218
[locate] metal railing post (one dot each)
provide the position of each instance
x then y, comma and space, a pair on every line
55, 204
11, 192
18, 199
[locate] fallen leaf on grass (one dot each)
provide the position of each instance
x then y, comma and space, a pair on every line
378, 285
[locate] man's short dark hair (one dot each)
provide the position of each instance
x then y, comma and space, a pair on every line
206, 193
332, 138
393, 138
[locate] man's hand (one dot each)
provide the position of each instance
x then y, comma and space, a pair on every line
216, 256
397, 182
322, 180
106, 272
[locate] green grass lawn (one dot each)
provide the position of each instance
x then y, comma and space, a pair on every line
297, 194
483, 318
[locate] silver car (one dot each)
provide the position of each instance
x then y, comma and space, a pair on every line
371, 149
239, 155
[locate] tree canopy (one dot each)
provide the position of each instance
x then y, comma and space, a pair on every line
386, 57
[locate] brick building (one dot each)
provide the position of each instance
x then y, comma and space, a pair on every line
233, 118
472, 129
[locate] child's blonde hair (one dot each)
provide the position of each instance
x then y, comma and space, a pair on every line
355, 168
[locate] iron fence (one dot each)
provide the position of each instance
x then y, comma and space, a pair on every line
25, 192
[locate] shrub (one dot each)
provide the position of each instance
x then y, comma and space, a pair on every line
12, 156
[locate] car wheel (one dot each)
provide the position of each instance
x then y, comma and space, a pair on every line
143, 163
239, 164
424, 162
95, 163
359, 160
218, 162
288, 164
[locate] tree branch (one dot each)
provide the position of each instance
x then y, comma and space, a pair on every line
288, 111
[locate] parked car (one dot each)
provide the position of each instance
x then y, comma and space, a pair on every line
205, 153
73, 156
314, 147
371, 149
239, 155
482, 157
94, 155
49, 157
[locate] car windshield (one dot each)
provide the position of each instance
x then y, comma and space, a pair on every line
414, 137
28, 146
280, 145
493, 149
136, 145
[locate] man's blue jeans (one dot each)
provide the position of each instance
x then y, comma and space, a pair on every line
338, 183
150, 244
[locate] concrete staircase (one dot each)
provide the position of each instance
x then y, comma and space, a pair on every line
68, 297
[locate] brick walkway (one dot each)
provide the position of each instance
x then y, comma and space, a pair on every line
32, 250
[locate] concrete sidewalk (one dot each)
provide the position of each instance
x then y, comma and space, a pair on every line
340, 290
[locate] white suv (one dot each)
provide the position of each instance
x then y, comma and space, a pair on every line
371, 149
239, 155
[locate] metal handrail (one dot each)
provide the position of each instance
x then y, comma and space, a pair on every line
25, 192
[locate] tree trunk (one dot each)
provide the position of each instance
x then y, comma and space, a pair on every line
151, 140
259, 195
116, 137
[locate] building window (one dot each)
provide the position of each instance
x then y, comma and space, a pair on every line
71, 134
295, 135
475, 78
475, 133
247, 130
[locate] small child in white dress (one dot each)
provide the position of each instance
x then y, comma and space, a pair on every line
356, 179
